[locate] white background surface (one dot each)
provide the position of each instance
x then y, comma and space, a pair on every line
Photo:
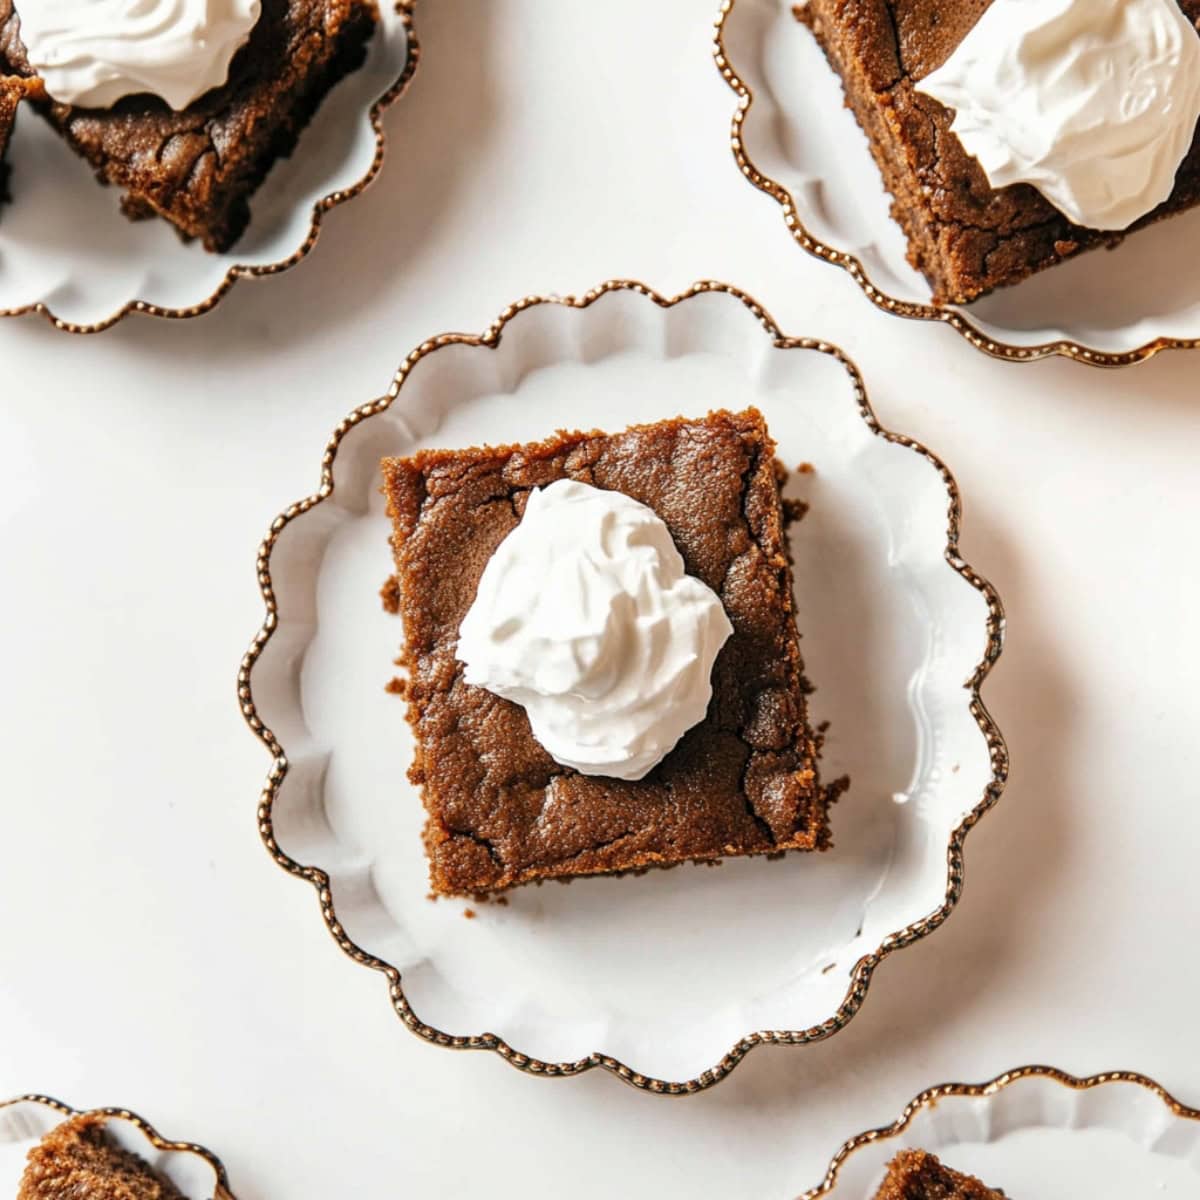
151, 953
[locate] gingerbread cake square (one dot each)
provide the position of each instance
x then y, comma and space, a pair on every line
964, 236
919, 1175
199, 166
744, 780
79, 1159
13, 90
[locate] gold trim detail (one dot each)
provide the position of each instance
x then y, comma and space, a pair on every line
855, 269
404, 9
930, 1097
220, 1177
865, 968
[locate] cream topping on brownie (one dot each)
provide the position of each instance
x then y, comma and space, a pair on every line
1093, 102
586, 617
91, 53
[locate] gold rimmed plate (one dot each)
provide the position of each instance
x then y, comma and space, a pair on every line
69, 255
1038, 1133
25, 1120
899, 634
794, 140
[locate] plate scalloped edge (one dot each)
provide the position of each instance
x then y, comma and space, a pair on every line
404, 10
220, 1176
864, 969
930, 1096
853, 266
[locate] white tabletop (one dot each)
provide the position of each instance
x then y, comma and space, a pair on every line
153, 956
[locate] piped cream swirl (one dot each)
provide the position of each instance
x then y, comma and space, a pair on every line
586, 617
1093, 102
92, 53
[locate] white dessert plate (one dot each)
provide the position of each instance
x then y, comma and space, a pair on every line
669, 978
1039, 1134
195, 1171
67, 252
794, 139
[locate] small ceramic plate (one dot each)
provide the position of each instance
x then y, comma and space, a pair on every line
1039, 1134
68, 253
794, 139
195, 1171
669, 978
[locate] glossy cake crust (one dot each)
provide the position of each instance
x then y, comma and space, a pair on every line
963, 235
744, 780
199, 167
919, 1175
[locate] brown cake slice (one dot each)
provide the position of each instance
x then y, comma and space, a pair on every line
964, 236
199, 167
919, 1175
13, 89
744, 780
78, 1160
11, 93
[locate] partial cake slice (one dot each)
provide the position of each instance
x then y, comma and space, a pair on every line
919, 1175
13, 89
744, 780
77, 1160
964, 236
199, 167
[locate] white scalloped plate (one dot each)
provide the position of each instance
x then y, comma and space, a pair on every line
656, 977
795, 139
66, 249
1039, 1134
25, 1121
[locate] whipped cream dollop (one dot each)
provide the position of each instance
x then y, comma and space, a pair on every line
586, 617
1094, 102
93, 52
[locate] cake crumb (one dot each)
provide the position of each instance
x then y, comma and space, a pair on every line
469, 913
390, 595
806, 468
794, 510
396, 686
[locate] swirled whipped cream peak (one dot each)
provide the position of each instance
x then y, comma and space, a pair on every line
1093, 102
586, 617
92, 53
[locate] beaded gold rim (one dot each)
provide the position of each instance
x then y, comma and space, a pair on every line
865, 968
220, 1178
957, 320
239, 271
931, 1096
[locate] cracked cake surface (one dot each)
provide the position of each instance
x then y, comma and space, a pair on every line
78, 1159
744, 780
919, 1175
198, 167
964, 236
